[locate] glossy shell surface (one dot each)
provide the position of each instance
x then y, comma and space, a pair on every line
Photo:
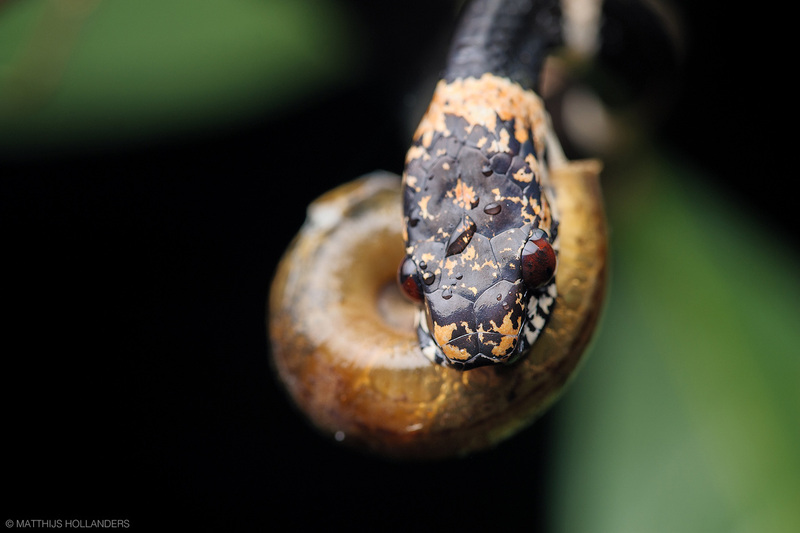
344, 343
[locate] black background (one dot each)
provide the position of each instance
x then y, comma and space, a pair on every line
137, 382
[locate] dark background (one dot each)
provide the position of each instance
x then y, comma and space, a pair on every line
136, 279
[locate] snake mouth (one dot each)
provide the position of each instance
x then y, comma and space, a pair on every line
470, 350
480, 348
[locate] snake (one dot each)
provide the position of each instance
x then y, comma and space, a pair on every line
480, 231
501, 247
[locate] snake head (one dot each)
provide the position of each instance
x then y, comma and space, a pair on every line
474, 310
480, 232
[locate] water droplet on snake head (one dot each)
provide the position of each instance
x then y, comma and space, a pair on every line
461, 237
493, 208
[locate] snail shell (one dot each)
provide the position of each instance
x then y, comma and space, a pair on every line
344, 344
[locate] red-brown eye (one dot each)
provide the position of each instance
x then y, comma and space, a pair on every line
409, 280
538, 261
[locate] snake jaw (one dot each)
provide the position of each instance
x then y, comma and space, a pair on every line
484, 348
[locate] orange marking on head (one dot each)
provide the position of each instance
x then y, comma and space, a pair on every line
521, 133
464, 195
503, 141
443, 334
505, 346
533, 163
423, 207
457, 354
507, 326
416, 152
524, 175
481, 101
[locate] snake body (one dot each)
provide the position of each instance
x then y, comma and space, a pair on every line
477, 213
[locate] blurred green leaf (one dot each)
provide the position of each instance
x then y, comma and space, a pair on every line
76, 70
686, 415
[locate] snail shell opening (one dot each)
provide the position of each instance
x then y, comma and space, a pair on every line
343, 340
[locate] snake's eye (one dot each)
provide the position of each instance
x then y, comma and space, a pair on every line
538, 261
408, 278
